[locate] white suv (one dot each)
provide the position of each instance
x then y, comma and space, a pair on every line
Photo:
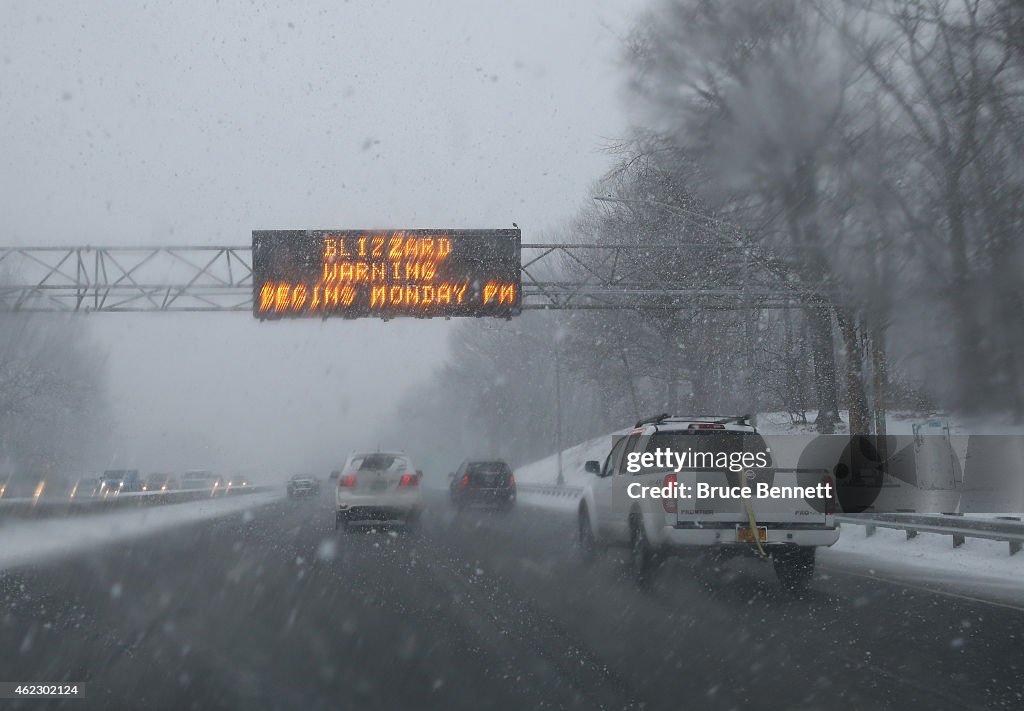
623, 505
378, 489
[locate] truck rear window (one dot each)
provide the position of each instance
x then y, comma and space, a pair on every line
700, 443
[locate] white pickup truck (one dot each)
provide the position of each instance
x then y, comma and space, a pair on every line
654, 509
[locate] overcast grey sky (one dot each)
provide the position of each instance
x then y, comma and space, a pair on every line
195, 122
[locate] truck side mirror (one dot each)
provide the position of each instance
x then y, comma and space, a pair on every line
592, 467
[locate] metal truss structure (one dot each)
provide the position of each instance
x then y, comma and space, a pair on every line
87, 279
580, 276
212, 278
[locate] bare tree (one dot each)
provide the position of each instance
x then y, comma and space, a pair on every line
754, 93
53, 412
947, 67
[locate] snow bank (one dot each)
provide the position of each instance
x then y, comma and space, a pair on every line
30, 542
896, 423
980, 568
545, 471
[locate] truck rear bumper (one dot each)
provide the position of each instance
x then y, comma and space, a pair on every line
726, 534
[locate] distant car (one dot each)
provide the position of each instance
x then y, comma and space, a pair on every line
378, 489
28, 486
483, 482
303, 485
201, 479
118, 481
160, 481
238, 482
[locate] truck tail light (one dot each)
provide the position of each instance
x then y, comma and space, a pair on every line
670, 504
830, 504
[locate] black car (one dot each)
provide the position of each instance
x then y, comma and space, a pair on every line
483, 482
303, 485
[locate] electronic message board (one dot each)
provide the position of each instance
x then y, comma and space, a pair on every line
385, 273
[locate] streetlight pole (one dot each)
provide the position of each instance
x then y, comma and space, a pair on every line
558, 409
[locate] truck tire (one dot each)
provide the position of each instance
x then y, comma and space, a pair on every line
585, 536
641, 556
794, 568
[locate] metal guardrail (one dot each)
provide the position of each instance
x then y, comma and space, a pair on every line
551, 490
30, 507
1003, 528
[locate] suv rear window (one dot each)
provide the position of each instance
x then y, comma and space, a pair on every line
487, 468
379, 462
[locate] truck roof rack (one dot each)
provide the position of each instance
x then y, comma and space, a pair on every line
652, 420
714, 419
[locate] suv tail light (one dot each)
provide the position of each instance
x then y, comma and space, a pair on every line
670, 504
830, 505
347, 482
465, 481
409, 480
511, 483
